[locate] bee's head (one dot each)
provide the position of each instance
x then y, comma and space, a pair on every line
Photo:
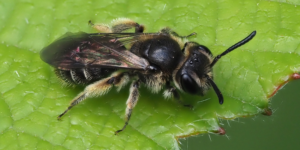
191, 77
195, 73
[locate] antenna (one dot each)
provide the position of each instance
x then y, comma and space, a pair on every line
216, 89
240, 43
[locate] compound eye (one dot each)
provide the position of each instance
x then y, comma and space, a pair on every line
188, 84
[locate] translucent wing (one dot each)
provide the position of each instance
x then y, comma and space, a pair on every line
82, 50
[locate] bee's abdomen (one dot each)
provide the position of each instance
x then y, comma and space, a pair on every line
82, 76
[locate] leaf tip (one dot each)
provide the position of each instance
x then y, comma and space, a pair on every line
221, 131
295, 76
267, 112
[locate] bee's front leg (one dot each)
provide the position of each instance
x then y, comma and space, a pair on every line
131, 102
171, 91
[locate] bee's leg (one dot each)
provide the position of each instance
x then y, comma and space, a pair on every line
177, 97
169, 31
122, 24
131, 102
172, 91
118, 26
98, 88
103, 28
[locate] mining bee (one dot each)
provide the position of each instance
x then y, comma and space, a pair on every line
162, 60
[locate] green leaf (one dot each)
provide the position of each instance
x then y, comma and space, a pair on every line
32, 97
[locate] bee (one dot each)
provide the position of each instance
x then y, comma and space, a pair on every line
161, 60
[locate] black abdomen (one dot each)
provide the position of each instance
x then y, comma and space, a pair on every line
83, 76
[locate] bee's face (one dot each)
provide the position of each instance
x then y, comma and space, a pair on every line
191, 75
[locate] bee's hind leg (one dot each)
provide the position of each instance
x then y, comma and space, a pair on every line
118, 25
131, 102
98, 88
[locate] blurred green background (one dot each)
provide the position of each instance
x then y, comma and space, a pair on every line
277, 132
31, 96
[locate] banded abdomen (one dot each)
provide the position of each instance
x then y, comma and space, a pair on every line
83, 76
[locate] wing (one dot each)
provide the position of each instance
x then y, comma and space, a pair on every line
82, 50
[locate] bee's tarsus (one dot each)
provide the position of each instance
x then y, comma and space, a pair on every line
59, 117
192, 34
90, 23
117, 132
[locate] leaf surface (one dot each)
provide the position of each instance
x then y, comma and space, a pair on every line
32, 97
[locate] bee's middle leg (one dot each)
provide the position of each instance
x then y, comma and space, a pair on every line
131, 102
